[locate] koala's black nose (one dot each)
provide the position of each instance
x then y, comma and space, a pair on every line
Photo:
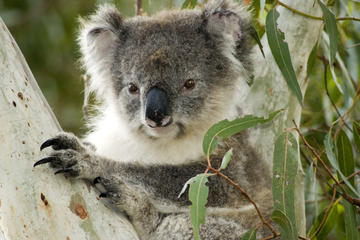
157, 110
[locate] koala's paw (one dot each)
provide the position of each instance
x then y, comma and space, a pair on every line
69, 157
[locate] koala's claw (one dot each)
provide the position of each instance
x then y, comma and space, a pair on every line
44, 160
97, 180
66, 170
50, 142
104, 195
63, 141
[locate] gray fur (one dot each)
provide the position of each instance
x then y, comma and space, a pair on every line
210, 46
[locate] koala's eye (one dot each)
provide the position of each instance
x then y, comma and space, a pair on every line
189, 84
133, 89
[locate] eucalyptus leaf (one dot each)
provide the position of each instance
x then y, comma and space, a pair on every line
226, 128
351, 223
286, 228
356, 131
256, 37
189, 4
285, 168
249, 235
330, 153
329, 223
281, 53
311, 60
198, 194
331, 28
345, 156
226, 159
347, 166
188, 182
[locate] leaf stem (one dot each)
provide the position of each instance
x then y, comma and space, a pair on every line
138, 7
299, 12
350, 176
351, 18
329, 96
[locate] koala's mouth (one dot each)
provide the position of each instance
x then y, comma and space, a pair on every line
172, 130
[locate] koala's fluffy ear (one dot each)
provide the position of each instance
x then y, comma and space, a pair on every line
229, 24
227, 19
97, 39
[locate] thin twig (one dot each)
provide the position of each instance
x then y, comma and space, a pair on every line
350, 176
317, 156
315, 17
354, 45
325, 214
329, 96
138, 7
246, 195
299, 12
272, 237
347, 18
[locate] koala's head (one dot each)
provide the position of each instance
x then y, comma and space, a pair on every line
172, 73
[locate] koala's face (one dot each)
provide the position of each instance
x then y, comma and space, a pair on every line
163, 76
170, 74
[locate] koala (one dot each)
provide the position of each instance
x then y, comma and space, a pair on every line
161, 81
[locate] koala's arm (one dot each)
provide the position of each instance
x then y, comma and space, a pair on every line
148, 194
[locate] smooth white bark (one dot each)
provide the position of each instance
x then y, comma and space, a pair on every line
270, 91
35, 204
72, 210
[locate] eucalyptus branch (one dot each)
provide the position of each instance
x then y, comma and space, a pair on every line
351, 18
329, 96
350, 176
299, 12
317, 156
139, 7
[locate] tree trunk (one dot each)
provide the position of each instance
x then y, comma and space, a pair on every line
35, 205
270, 91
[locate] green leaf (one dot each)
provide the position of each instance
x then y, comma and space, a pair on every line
250, 235
188, 182
330, 153
331, 28
331, 3
226, 128
347, 166
285, 168
280, 51
329, 223
351, 224
189, 4
311, 60
256, 37
345, 156
198, 195
286, 227
226, 159
356, 130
